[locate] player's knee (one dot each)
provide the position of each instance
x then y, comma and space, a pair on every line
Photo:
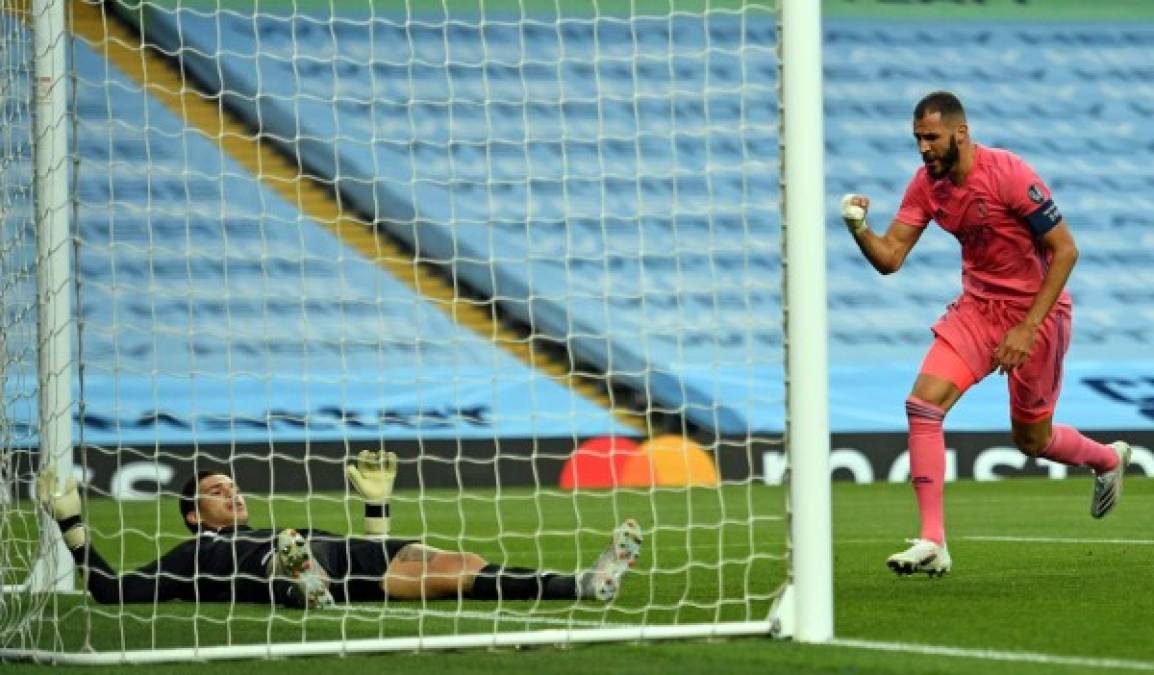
455, 563
1029, 441
936, 390
472, 563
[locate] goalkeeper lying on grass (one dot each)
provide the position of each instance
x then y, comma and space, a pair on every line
228, 561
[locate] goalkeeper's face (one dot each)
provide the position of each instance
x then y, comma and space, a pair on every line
220, 503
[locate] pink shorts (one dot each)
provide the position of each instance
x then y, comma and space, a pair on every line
975, 326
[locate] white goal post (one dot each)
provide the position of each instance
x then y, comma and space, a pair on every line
569, 264
37, 355
807, 431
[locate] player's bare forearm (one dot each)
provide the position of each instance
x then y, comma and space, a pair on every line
1018, 342
887, 252
1063, 256
877, 251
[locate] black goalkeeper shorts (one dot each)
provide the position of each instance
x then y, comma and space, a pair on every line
356, 566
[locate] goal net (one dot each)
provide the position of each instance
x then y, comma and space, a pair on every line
18, 526
533, 248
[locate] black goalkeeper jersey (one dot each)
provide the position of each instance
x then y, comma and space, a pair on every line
231, 565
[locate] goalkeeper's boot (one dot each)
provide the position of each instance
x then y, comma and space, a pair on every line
602, 581
922, 556
293, 561
1108, 484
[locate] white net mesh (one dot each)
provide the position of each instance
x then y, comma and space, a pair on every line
18, 519
533, 251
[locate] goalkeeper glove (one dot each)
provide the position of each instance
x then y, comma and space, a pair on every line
63, 505
373, 476
853, 213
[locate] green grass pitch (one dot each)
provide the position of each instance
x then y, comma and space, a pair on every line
1036, 580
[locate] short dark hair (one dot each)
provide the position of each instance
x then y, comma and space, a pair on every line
943, 102
188, 496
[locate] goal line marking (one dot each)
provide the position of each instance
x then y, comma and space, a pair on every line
994, 655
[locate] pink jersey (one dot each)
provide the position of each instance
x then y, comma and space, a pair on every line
998, 215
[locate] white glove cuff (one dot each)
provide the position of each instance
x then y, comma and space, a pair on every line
76, 536
377, 520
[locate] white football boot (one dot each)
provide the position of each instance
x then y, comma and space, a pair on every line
603, 580
922, 556
293, 561
1108, 485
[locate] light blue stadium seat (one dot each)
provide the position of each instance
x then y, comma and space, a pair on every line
526, 154
216, 312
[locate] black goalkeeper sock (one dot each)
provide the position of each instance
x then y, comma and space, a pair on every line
498, 582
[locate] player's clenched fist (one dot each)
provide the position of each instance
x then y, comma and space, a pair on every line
853, 211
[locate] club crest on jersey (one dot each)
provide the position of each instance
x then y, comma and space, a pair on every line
1035, 194
975, 236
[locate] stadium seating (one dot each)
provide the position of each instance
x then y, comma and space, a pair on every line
253, 323
550, 164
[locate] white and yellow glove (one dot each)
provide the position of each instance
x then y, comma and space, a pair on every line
63, 504
373, 476
853, 211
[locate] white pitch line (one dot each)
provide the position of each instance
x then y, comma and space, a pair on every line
1015, 540
1059, 540
994, 655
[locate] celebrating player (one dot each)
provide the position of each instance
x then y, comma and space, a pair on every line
1013, 314
228, 561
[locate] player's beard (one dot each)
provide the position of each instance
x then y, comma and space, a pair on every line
947, 162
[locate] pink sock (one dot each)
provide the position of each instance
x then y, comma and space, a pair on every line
1068, 446
928, 465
